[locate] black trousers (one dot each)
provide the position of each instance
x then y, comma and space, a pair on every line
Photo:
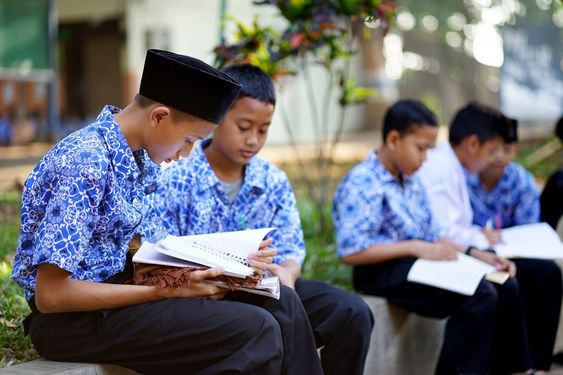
490, 321
245, 333
541, 291
551, 201
342, 325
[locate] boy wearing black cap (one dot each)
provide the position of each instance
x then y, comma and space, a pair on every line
81, 206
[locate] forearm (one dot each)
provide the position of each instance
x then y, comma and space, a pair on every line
65, 294
380, 253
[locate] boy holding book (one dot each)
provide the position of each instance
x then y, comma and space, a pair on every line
383, 224
478, 133
224, 186
81, 206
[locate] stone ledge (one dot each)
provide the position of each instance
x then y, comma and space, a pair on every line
43, 367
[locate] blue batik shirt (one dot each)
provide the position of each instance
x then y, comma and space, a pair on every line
82, 203
191, 200
514, 200
372, 207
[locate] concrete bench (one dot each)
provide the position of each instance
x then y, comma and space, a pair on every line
43, 367
402, 343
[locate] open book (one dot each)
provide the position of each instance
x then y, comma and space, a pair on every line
462, 275
530, 241
226, 249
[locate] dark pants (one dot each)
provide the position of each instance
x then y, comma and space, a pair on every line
245, 333
471, 333
541, 291
551, 201
342, 324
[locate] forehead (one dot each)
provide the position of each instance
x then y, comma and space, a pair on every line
252, 109
196, 127
423, 132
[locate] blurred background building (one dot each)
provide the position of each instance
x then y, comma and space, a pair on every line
62, 60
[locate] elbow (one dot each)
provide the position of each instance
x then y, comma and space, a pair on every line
349, 260
46, 302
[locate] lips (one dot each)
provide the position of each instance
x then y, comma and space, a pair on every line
247, 154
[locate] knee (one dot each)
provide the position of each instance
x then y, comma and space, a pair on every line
359, 313
486, 296
551, 273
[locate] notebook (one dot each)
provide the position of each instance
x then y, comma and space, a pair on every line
537, 240
226, 249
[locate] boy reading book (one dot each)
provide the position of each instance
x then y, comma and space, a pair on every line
384, 224
224, 186
81, 206
477, 133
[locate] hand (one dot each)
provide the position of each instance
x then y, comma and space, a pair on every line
263, 258
197, 287
502, 264
492, 235
433, 250
284, 274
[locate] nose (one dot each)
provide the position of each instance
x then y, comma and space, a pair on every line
252, 139
184, 151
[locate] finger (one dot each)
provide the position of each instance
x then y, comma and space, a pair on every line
257, 264
198, 276
266, 260
267, 252
266, 243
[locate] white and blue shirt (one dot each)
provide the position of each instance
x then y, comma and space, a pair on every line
514, 200
371, 207
192, 200
82, 203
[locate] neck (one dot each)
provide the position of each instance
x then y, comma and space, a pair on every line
225, 169
128, 120
385, 157
489, 180
460, 154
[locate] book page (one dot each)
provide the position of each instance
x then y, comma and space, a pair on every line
462, 275
149, 253
530, 241
226, 249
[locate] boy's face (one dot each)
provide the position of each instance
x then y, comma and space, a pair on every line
244, 130
171, 138
499, 159
481, 153
410, 149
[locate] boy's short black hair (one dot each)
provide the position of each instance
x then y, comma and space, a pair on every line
485, 122
255, 82
406, 115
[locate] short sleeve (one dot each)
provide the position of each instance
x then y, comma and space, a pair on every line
358, 215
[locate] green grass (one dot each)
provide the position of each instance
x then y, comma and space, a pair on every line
13, 307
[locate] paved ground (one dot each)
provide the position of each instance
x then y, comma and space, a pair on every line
16, 162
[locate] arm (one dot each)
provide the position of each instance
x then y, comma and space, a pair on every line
527, 202
448, 207
412, 248
55, 291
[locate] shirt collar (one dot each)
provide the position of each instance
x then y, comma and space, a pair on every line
383, 173
253, 174
127, 164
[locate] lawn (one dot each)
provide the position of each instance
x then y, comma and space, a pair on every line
321, 262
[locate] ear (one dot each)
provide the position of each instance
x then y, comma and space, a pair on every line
393, 137
473, 144
158, 115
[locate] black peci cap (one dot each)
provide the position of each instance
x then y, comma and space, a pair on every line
188, 85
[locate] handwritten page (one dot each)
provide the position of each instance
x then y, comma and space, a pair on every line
530, 241
460, 276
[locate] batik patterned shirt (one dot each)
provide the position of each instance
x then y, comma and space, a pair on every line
191, 200
514, 200
372, 207
82, 203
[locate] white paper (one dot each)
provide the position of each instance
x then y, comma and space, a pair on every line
226, 249
530, 241
460, 276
